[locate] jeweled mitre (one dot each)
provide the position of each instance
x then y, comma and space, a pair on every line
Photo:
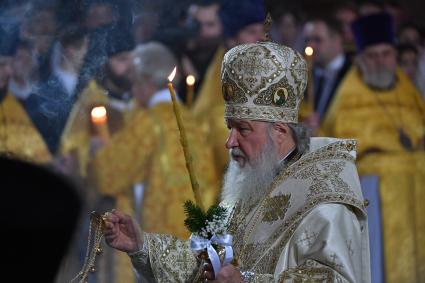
263, 81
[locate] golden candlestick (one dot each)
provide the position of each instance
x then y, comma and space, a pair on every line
310, 89
184, 143
99, 120
190, 82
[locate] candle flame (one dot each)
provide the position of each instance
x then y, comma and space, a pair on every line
172, 75
98, 114
308, 51
190, 80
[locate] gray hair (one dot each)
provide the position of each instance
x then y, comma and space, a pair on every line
299, 133
154, 60
301, 136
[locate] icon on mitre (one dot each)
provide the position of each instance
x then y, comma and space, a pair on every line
280, 96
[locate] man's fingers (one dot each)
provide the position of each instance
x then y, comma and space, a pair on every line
209, 275
208, 271
111, 228
208, 267
109, 225
108, 216
123, 218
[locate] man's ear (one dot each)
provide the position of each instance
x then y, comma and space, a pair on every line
281, 132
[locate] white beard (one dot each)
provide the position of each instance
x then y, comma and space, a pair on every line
249, 184
380, 79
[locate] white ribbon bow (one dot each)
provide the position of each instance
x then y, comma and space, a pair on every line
198, 244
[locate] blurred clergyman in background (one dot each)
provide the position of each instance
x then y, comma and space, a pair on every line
18, 135
203, 47
408, 59
378, 105
109, 88
242, 23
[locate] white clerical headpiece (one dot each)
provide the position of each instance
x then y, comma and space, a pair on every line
263, 81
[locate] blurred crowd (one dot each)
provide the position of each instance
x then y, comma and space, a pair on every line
61, 59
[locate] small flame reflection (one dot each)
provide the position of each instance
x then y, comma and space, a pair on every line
98, 114
172, 75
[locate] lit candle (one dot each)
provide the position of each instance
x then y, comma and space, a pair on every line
190, 82
310, 90
183, 140
99, 120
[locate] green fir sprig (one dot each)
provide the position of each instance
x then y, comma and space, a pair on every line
204, 224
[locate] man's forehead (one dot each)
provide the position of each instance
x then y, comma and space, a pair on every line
378, 48
233, 121
237, 121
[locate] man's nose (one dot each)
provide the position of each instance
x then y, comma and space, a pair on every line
381, 60
232, 140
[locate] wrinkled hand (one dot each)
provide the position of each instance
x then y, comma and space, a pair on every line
122, 232
227, 274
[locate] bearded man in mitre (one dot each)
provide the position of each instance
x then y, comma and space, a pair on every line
296, 211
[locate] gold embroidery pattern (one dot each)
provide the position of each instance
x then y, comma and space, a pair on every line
269, 260
235, 218
171, 258
269, 77
337, 150
262, 113
298, 73
241, 217
307, 239
262, 258
253, 75
236, 228
232, 94
257, 252
266, 261
266, 97
307, 273
325, 178
276, 208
